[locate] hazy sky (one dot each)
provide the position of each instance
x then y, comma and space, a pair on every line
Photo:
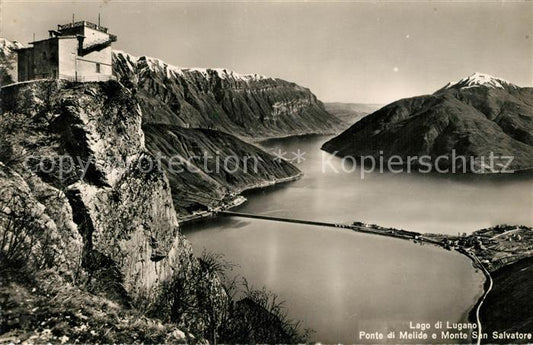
364, 52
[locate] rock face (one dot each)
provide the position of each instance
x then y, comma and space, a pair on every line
75, 153
474, 117
250, 106
40, 217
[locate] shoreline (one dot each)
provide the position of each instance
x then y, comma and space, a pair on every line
471, 314
474, 312
487, 287
515, 173
399, 234
310, 134
237, 201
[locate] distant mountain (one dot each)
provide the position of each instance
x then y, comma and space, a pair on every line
478, 79
475, 116
249, 106
8, 61
350, 112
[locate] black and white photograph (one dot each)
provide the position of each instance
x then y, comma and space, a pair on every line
266, 172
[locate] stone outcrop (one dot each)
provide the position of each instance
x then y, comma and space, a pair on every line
111, 215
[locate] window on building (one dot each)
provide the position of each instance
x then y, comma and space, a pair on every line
97, 68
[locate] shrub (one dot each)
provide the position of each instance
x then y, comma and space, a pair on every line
261, 317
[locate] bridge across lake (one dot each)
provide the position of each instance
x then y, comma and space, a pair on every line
370, 229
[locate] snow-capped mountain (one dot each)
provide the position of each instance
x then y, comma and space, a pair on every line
7, 45
479, 79
245, 105
160, 66
8, 60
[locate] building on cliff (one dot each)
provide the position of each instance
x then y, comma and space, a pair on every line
77, 51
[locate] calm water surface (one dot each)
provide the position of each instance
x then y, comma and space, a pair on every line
339, 282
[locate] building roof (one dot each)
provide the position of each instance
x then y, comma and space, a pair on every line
54, 38
58, 34
82, 24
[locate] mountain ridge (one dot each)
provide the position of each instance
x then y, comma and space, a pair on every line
251, 106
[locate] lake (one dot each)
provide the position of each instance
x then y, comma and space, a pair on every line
340, 282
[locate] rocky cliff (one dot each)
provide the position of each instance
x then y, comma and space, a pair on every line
78, 198
473, 117
90, 245
250, 106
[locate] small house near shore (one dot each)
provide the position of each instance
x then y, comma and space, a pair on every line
77, 51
